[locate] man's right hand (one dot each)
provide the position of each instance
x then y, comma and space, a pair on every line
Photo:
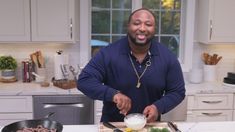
123, 103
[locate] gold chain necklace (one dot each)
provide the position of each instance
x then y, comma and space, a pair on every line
147, 64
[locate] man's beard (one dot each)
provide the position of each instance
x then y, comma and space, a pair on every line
137, 42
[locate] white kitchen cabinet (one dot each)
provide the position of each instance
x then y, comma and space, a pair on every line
210, 107
15, 108
39, 20
98, 111
216, 21
54, 20
7, 118
15, 20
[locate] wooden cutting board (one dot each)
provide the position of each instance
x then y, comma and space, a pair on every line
122, 126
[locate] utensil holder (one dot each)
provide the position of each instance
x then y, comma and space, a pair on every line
209, 73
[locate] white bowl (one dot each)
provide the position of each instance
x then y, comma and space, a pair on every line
135, 121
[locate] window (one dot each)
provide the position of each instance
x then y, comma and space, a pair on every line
109, 20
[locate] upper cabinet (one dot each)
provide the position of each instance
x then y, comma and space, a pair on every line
15, 20
216, 21
39, 20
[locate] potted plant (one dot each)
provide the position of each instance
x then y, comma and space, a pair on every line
8, 65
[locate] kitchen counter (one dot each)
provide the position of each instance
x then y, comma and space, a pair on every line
209, 88
19, 88
183, 126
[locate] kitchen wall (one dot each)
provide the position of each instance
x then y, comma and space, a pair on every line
21, 51
227, 64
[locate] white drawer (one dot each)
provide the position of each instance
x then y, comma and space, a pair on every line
7, 118
16, 104
210, 115
210, 101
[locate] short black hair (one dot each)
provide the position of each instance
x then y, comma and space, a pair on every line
146, 9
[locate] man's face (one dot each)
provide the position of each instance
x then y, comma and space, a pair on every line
141, 28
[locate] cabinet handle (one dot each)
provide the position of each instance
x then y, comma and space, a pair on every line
212, 114
52, 105
71, 28
211, 27
212, 102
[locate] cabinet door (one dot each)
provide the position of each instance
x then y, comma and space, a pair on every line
52, 20
7, 118
16, 104
98, 111
15, 20
216, 21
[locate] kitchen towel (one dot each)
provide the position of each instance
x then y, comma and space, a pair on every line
60, 59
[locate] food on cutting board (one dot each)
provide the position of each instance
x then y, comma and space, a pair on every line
155, 129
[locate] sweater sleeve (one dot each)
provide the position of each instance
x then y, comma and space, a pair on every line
174, 92
91, 79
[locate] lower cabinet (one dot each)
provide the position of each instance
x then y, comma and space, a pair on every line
15, 108
98, 111
210, 107
7, 118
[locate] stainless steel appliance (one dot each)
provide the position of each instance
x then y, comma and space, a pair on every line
68, 109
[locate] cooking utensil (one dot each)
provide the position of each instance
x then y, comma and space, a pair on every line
211, 59
75, 73
45, 122
109, 125
64, 71
173, 127
40, 59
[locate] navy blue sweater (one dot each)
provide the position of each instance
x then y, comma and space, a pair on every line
110, 70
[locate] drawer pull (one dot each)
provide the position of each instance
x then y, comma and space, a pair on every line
212, 114
79, 105
212, 102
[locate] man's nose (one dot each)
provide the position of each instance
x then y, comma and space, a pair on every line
142, 27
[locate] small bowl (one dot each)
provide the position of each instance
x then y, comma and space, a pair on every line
135, 121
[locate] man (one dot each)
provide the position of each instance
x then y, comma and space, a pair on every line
135, 74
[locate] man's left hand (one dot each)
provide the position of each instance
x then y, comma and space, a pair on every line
151, 113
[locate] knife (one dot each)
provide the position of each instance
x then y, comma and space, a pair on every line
172, 126
109, 125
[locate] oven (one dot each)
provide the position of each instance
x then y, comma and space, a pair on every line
67, 109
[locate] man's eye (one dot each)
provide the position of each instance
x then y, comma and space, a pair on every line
136, 23
149, 24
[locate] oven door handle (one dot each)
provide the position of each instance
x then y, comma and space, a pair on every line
52, 105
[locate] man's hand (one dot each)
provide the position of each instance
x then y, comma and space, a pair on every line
151, 113
123, 103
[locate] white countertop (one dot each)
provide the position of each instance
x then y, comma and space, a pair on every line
19, 88
226, 126
209, 88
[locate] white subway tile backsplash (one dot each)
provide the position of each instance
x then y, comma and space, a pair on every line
227, 64
22, 51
